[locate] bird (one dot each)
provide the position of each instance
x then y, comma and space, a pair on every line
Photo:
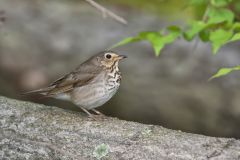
90, 85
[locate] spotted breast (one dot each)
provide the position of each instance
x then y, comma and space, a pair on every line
99, 91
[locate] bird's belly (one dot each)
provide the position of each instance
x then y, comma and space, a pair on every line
92, 95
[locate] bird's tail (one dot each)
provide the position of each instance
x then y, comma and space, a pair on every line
42, 91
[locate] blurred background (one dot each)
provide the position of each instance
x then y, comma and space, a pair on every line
42, 40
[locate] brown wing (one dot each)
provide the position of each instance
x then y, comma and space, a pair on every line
83, 75
68, 82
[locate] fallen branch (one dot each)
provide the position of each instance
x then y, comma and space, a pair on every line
106, 12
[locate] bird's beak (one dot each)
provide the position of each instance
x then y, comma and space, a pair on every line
121, 57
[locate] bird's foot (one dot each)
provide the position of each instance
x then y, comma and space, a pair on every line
96, 117
97, 112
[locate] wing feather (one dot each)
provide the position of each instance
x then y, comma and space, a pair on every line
81, 76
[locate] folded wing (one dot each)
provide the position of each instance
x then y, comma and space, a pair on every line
83, 75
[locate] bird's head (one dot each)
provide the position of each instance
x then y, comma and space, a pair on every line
109, 59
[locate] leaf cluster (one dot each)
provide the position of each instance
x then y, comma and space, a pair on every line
219, 25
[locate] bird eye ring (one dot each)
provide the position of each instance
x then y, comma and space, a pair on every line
108, 56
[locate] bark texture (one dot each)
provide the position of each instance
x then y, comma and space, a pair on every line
34, 131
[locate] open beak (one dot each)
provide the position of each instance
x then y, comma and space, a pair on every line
121, 57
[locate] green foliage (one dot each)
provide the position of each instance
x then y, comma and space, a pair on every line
218, 26
197, 2
220, 3
219, 38
218, 15
224, 71
195, 28
157, 39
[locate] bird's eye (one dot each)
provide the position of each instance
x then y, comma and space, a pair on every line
108, 56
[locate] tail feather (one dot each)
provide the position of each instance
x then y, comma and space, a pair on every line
42, 91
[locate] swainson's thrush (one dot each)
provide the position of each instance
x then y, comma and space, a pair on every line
90, 85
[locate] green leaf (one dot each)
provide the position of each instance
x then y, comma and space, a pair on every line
219, 38
195, 28
126, 41
175, 29
219, 15
236, 26
204, 35
155, 38
158, 40
198, 2
220, 3
224, 71
150, 36
235, 37
173, 33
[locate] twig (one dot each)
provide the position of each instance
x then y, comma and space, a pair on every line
106, 12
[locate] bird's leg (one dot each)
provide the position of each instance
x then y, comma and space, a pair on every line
86, 111
91, 116
97, 112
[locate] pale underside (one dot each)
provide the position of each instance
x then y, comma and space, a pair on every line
94, 94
